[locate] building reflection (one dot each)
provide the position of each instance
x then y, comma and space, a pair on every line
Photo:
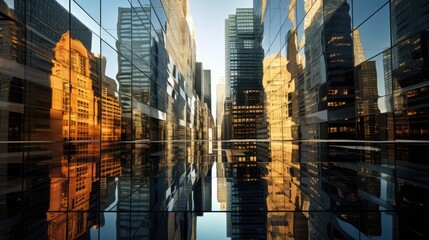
409, 58
91, 151
246, 200
342, 107
284, 196
26, 91
74, 103
12, 191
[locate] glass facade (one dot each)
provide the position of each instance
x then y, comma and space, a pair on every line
243, 75
99, 120
346, 108
106, 126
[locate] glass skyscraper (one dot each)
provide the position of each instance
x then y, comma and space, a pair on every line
99, 121
244, 79
347, 124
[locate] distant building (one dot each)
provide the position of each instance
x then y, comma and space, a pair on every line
203, 83
207, 89
220, 101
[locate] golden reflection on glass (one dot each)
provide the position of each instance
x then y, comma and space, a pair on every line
182, 39
283, 191
73, 101
110, 131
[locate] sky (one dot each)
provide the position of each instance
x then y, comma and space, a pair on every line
209, 22
213, 225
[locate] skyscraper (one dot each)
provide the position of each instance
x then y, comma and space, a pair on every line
203, 83
220, 101
244, 77
207, 88
410, 71
244, 108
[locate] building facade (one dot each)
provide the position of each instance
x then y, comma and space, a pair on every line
99, 117
244, 79
344, 100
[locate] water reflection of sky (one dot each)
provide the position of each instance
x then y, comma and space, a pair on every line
212, 225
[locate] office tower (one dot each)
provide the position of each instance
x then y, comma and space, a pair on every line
220, 100
387, 65
278, 87
336, 98
134, 61
199, 78
282, 70
244, 107
134, 44
410, 59
388, 85
138, 43
203, 83
207, 89
409, 62
244, 77
366, 103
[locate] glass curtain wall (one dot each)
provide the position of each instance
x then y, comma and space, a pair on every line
345, 84
98, 120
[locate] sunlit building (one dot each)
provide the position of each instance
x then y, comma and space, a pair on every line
27, 113
352, 89
111, 113
91, 119
72, 94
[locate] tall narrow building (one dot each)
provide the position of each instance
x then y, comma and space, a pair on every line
244, 108
244, 76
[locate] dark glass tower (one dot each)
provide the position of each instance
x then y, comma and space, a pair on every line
244, 76
245, 108
410, 71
